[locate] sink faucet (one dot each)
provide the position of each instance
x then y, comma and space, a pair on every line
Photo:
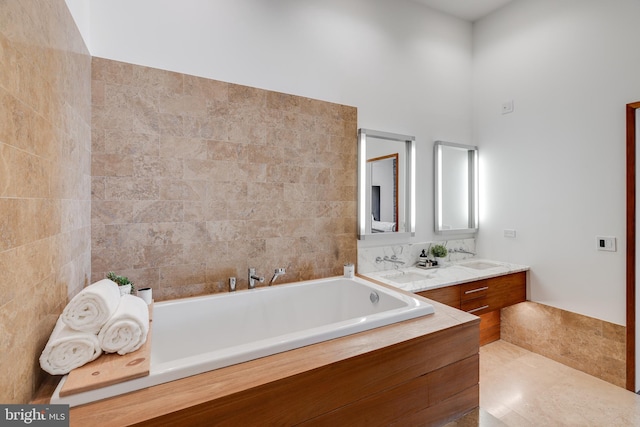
279, 272
461, 251
253, 278
394, 259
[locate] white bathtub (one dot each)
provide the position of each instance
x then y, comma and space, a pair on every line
195, 335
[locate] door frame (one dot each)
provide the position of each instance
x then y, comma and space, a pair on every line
631, 245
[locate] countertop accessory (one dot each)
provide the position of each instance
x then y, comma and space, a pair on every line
349, 271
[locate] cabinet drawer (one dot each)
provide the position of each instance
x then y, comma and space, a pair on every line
482, 296
474, 290
449, 295
477, 306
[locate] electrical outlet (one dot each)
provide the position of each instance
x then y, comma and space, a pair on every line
510, 233
606, 243
507, 107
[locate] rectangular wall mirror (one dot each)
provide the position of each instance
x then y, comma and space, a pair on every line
456, 188
386, 184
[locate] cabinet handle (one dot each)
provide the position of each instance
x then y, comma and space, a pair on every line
476, 290
478, 309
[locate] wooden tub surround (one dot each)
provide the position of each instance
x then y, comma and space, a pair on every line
422, 371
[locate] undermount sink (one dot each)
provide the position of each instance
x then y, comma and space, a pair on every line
480, 265
405, 277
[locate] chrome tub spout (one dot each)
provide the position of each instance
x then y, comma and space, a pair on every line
279, 272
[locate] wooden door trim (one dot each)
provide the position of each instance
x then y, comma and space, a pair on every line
631, 246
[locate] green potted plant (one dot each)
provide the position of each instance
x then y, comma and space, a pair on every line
125, 285
439, 251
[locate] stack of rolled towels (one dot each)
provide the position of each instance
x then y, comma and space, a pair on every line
97, 319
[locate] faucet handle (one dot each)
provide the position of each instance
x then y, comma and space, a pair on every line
252, 278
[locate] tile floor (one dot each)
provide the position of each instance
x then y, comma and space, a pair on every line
521, 388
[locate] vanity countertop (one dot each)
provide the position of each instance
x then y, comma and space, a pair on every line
414, 279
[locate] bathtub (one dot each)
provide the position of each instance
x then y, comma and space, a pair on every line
200, 334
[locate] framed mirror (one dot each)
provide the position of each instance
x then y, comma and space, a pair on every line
386, 184
456, 188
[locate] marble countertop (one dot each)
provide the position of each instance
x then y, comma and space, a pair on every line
414, 279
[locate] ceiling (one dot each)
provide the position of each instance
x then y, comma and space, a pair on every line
469, 10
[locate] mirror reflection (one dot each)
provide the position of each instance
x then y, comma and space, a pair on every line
384, 193
385, 184
456, 188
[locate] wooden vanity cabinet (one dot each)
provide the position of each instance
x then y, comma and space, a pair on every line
449, 295
484, 298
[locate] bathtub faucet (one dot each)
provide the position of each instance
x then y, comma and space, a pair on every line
253, 278
279, 272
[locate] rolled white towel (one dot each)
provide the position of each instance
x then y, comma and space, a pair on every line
68, 349
127, 329
90, 309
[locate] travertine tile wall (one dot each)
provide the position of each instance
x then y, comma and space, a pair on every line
590, 345
195, 180
45, 181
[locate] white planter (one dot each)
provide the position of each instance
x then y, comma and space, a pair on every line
146, 295
125, 289
442, 261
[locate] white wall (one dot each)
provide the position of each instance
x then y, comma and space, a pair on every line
405, 67
80, 12
554, 169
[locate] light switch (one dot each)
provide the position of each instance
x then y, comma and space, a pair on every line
606, 243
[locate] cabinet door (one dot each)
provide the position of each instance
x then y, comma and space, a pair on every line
508, 290
449, 295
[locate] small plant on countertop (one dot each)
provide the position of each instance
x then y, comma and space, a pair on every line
439, 251
120, 280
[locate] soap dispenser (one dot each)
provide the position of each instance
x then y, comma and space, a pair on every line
422, 259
